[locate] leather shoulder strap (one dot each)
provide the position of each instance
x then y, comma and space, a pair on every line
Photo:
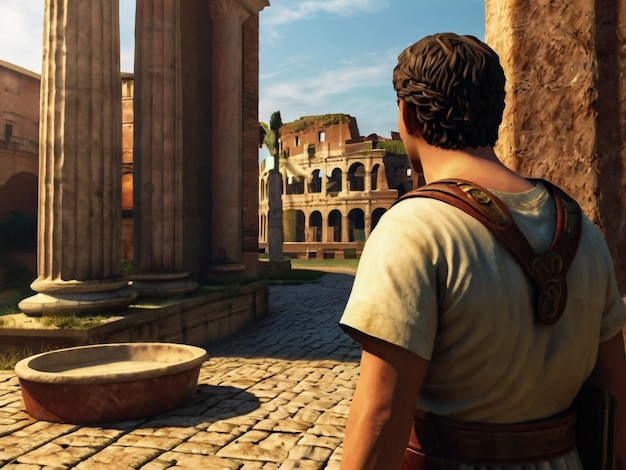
548, 271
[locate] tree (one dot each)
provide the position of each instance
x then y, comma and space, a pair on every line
272, 137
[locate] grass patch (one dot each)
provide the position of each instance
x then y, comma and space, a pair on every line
329, 262
66, 322
9, 359
311, 270
8, 310
297, 276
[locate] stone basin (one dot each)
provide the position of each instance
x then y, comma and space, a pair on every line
109, 382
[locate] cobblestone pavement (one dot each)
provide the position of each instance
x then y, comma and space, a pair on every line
274, 396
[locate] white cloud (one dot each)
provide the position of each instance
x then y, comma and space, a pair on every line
322, 93
306, 10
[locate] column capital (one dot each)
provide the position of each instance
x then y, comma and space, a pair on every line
238, 9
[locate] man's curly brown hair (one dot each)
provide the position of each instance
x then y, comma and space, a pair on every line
455, 84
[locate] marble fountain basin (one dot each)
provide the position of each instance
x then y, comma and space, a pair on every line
109, 382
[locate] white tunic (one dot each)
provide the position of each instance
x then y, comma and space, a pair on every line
434, 280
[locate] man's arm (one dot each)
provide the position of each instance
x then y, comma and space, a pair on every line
383, 406
609, 374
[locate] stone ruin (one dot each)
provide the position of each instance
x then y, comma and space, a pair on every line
196, 140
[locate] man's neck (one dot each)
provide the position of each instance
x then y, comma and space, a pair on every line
480, 165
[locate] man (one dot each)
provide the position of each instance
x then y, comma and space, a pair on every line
445, 314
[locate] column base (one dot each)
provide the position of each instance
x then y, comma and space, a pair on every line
227, 273
80, 302
157, 284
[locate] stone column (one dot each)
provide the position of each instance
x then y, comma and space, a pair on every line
367, 183
79, 240
381, 179
345, 228
566, 102
157, 172
227, 145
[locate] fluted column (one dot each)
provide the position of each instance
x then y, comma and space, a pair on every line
79, 239
227, 138
157, 158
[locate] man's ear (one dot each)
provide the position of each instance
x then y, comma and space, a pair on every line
410, 119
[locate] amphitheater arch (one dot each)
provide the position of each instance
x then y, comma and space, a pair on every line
315, 226
376, 215
315, 185
334, 181
356, 177
356, 230
300, 226
374, 177
295, 185
334, 225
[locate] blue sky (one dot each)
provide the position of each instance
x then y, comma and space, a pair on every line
316, 56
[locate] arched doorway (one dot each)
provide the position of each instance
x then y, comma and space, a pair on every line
356, 177
376, 215
315, 226
334, 225
356, 232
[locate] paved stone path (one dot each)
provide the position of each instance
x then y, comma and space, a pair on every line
275, 396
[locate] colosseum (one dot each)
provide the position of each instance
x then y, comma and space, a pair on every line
336, 185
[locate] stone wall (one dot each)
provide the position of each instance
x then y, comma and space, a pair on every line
565, 111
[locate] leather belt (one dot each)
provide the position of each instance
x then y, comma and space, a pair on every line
437, 442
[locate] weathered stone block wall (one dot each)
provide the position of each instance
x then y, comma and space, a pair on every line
564, 118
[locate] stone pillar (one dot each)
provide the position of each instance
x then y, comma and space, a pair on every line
79, 240
345, 228
227, 141
275, 216
158, 155
566, 103
381, 179
368, 219
368, 181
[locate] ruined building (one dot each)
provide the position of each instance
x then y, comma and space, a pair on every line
336, 185
195, 95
